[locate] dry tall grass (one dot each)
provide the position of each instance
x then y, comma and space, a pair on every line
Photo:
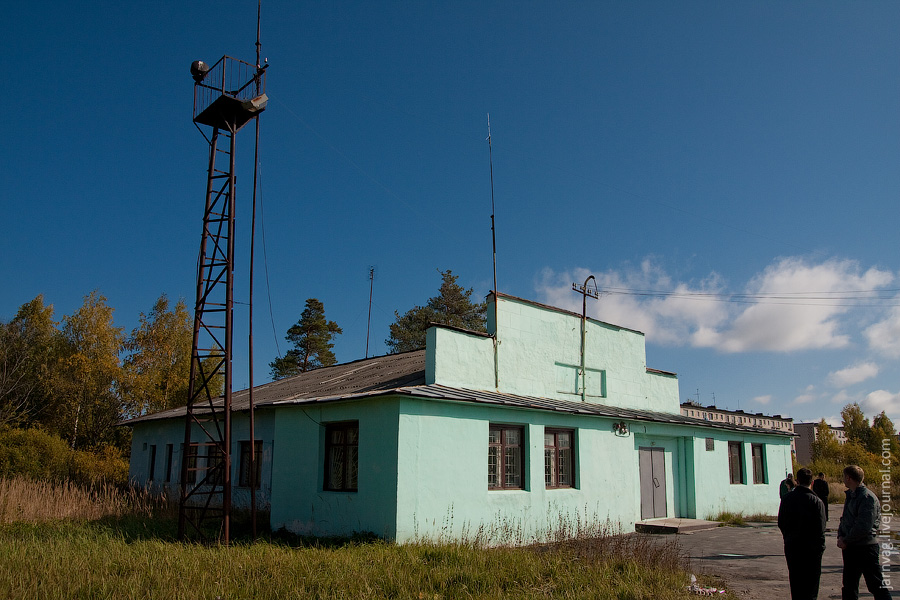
22, 499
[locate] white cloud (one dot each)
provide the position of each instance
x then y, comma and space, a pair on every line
667, 320
808, 395
882, 400
798, 313
853, 375
763, 399
834, 421
801, 308
843, 398
884, 336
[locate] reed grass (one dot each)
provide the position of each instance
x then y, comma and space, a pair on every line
22, 499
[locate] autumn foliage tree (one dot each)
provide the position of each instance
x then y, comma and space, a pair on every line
157, 370
89, 374
30, 345
452, 306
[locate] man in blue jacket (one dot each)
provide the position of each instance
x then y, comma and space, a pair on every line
801, 519
857, 538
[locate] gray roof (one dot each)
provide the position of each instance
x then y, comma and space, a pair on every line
359, 378
404, 374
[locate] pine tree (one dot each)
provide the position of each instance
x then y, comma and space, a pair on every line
311, 337
452, 306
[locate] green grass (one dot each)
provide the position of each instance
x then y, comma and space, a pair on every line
739, 519
130, 558
63, 541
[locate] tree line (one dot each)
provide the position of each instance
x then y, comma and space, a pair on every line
80, 375
873, 446
312, 336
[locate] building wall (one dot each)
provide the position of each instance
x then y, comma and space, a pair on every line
539, 354
164, 432
299, 503
423, 470
807, 433
712, 488
443, 489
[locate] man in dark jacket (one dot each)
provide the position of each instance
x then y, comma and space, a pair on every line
820, 487
857, 538
801, 518
787, 484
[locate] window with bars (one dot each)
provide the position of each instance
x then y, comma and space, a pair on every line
559, 463
759, 463
189, 455
506, 468
215, 465
244, 478
170, 450
152, 475
341, 456
736, 462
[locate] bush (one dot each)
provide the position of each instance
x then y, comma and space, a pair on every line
38, 455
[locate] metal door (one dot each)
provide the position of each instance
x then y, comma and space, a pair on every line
653, 482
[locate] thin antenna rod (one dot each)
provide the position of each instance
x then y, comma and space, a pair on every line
493, 230
494, 249
252, 458
258, 45
369, 323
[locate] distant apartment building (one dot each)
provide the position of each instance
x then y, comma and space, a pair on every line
739, 417
806, 435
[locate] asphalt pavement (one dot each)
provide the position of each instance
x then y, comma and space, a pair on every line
750, 560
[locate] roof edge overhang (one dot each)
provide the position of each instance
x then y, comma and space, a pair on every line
437, 392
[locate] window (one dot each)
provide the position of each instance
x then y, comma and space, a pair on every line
190, 457
710, 444
505, 466
215, 465
169, 452
152, 475
735, 462
759, 463
244, 478
558, 458
341, 456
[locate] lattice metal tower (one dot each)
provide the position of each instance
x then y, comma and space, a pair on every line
227, 96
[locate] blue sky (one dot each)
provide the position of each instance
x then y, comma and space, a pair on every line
682, 148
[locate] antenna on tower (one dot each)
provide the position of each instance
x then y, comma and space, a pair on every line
585, 290
494, 249
369, 322
227, 96
252, 462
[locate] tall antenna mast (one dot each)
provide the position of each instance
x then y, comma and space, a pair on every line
252, 453
369, 323
494, 249
227, 96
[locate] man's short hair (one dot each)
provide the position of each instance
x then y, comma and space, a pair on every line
804, 477
854, 473
821, 474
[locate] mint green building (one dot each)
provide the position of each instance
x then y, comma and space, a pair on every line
509, 437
